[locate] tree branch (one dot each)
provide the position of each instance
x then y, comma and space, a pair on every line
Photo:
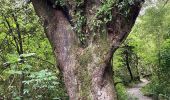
19, 35
11, 32
121, 25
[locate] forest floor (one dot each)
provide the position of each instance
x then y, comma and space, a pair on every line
135, 91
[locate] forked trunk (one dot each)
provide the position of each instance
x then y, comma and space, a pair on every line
86, 70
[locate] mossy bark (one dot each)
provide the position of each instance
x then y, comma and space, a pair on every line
86, 70
93, 66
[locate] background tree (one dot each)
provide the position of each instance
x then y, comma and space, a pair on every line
84, 35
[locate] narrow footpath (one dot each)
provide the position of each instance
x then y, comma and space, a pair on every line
135, 90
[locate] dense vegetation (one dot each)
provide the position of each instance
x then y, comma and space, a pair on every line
148, 51
26, 59
28, 68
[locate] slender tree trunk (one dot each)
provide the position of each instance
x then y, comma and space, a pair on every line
137, 70
86, 70
21, 51
127, 64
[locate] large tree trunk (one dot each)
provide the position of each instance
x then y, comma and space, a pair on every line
87, 70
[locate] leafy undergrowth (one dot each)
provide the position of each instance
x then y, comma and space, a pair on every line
156, 91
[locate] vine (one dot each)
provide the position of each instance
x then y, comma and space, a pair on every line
123, 7
80, 21
102, 17
104, 13
60, 2
99, 20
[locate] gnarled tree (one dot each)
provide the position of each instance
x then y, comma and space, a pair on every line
84, 35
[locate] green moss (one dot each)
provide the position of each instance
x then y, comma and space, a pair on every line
102, 48
84, 75
90, 54
85, 79
85, 58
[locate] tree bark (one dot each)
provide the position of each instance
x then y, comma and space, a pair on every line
87, 71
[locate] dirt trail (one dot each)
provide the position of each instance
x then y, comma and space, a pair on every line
135, 91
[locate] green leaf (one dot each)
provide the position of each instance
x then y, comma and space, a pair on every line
27, 55
13, 58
